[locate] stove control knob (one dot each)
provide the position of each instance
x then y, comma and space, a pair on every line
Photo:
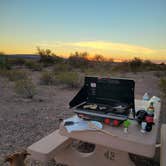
107, 121
115, 122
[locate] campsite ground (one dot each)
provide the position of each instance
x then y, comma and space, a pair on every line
24, 121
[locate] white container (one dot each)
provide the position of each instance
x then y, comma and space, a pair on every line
145, 97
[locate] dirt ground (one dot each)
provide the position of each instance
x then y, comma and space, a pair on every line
24, 121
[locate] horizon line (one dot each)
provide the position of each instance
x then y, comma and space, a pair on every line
92, 57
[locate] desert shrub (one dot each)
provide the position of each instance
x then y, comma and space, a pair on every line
71, 79
61, 67
14, 75
160, 74
135, 64
98, 69
16, 61
4, 72
25, 88
162, 66
162, 85
47, 57
98, 58
4, 63
33, 65
147, 65
58, 59
121, 67
47, 78
90, 71
79, 60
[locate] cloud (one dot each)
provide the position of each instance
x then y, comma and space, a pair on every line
110, 46
108, 49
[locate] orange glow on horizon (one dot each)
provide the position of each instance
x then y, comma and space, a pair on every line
109, 50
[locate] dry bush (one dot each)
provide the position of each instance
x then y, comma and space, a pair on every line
16, 61
162, 66
160, 74
62, 67
162, 86
99, 58
48, 78
135, 64
25, 88
145, 65
4, 62
138, 65
47, 57
33, 65
90, 71
70, 79
121, 67
79, 60
14, 75
3, 72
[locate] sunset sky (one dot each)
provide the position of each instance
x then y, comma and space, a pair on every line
119, 29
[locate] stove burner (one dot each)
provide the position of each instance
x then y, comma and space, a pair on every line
116, 108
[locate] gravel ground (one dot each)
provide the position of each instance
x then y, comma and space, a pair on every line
23, 121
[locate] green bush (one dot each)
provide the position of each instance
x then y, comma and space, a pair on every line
15, 75
25, 88
33, 65
48, 78
162, 85
71, 79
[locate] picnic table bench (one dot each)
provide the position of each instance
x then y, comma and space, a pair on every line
109, 150
46, 148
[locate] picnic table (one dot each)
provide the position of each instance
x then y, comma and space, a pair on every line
109, 150
112, 150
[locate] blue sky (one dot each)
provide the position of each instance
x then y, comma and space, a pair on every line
28, 23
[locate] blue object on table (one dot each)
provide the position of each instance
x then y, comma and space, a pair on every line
78, 124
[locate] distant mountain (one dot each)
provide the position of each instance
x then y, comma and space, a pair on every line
24, 56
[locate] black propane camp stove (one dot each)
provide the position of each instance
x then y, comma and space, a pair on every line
108, 100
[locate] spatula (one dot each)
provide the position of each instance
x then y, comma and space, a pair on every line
95, 127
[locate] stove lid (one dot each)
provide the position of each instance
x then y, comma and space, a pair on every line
106, 91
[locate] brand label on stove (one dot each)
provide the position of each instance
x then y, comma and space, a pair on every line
93, 85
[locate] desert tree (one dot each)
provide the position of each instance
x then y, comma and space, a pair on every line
47, 57
79, 59
99, 58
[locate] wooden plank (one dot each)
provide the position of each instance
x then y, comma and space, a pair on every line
46, 148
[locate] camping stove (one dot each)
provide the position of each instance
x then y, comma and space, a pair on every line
108, 100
